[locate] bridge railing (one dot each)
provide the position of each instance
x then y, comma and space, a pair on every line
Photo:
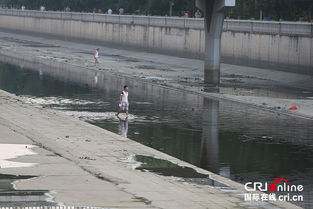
250, 26
271, 27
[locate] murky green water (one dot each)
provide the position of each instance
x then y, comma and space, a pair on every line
181, 173
242, 143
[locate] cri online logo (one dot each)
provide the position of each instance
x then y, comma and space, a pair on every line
273, 187
280, 185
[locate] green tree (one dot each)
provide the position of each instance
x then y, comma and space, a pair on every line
293, 10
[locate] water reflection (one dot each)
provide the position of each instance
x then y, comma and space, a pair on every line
209, 139
96, 78
40, 74
123, 127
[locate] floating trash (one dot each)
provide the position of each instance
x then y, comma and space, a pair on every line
293, 108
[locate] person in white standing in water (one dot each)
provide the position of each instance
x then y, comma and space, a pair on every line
124, 102
96, 56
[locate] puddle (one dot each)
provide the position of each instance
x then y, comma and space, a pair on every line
167, 168
11, 151
10, 197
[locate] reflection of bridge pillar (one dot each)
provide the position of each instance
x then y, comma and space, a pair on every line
210, 141
214, 13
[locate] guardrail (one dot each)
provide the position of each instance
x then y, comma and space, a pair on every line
250, 26
270, 27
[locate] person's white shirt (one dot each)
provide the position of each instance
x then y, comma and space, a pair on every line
124, 95
110, 11
96, 54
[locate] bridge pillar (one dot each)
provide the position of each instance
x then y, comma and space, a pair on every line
214, 13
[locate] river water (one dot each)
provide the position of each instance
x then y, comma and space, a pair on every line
233, 140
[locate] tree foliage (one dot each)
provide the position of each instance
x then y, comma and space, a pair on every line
292, 10
245, 9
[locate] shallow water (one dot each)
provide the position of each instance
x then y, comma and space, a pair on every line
180, 173
10, 197
235, 141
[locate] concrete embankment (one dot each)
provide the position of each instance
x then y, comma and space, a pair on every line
286, 46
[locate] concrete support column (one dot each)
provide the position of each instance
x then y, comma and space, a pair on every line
212, 56
214, 14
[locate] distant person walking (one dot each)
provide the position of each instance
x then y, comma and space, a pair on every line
123, 105
96, 57
198, 14
121, 11
67, 9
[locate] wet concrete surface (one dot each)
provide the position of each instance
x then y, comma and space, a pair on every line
11, 197
238, 142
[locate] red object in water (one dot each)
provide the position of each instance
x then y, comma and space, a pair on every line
272, 187
293, 108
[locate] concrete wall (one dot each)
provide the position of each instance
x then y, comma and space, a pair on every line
280, 45
285, 46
